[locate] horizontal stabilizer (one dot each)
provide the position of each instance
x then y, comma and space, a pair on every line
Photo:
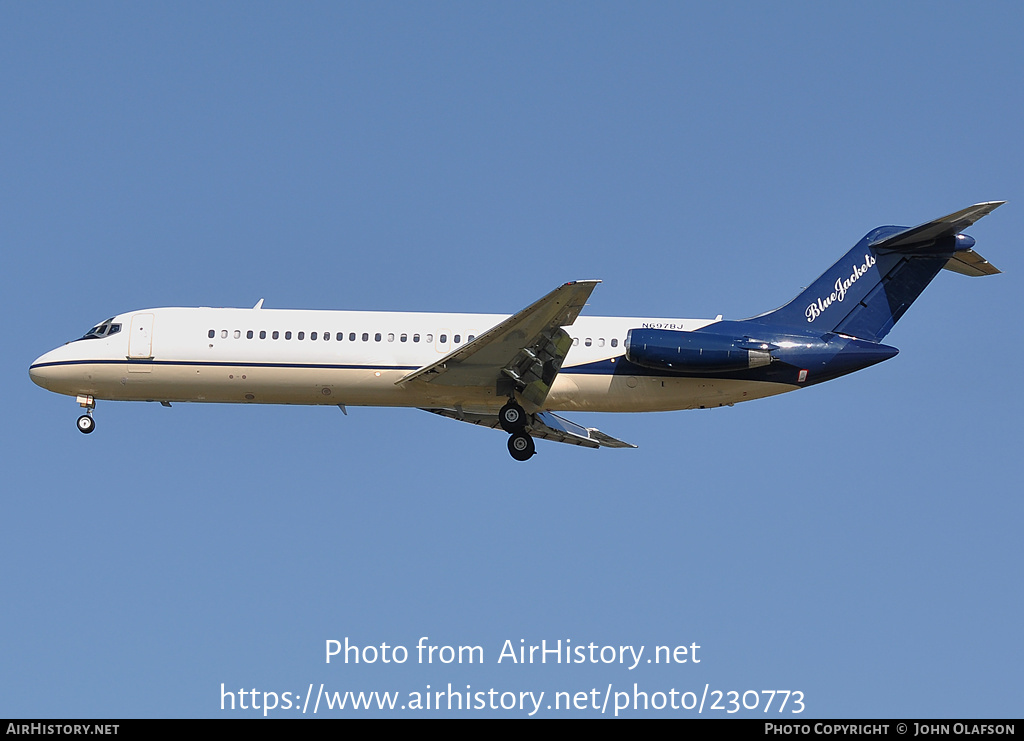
917, 237
970, 263
546, 426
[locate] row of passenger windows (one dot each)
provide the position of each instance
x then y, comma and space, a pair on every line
377, 337
339, 336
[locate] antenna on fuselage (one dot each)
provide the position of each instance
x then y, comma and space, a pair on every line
259, 304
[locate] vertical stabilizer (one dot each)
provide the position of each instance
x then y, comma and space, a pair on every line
867, 291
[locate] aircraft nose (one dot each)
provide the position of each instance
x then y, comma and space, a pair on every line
40, 371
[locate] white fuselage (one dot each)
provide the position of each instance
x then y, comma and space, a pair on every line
353, 358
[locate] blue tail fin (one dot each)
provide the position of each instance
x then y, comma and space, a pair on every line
867, 291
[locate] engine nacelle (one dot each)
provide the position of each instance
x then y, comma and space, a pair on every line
695, 352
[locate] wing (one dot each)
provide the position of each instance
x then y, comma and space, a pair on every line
546, 426
524, 352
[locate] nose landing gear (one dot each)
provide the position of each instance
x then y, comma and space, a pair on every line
86, 423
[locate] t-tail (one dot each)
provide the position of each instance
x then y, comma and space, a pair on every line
867, 291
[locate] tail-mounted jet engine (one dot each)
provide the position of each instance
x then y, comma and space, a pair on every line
696, 352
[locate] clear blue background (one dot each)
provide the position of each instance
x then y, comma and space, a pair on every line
858, 541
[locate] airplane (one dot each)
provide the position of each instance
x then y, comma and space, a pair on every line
515, 372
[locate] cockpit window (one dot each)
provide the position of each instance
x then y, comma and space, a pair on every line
105, 329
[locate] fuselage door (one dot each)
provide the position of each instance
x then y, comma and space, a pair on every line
140, 341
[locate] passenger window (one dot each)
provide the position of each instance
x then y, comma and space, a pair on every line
615, 342
443, 338
312, 335
415, 338
238, 334
327, 335
458, 339
276, 335
248, 335
600, 341
376, 337
287, 335
575, 341
430, 337
263, 334
301, 335
211, 334
470, 338
340, 336
223, 334
404, 337
391, 336
366, 336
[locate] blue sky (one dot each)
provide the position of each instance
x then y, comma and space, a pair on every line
857, 541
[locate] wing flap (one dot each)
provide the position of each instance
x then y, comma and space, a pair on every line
565, 431
543, 425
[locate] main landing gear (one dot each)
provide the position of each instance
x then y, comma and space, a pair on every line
513, 419
521, 446
86, 423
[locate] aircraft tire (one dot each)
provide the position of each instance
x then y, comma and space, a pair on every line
521, 446
86, 424
512, 417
